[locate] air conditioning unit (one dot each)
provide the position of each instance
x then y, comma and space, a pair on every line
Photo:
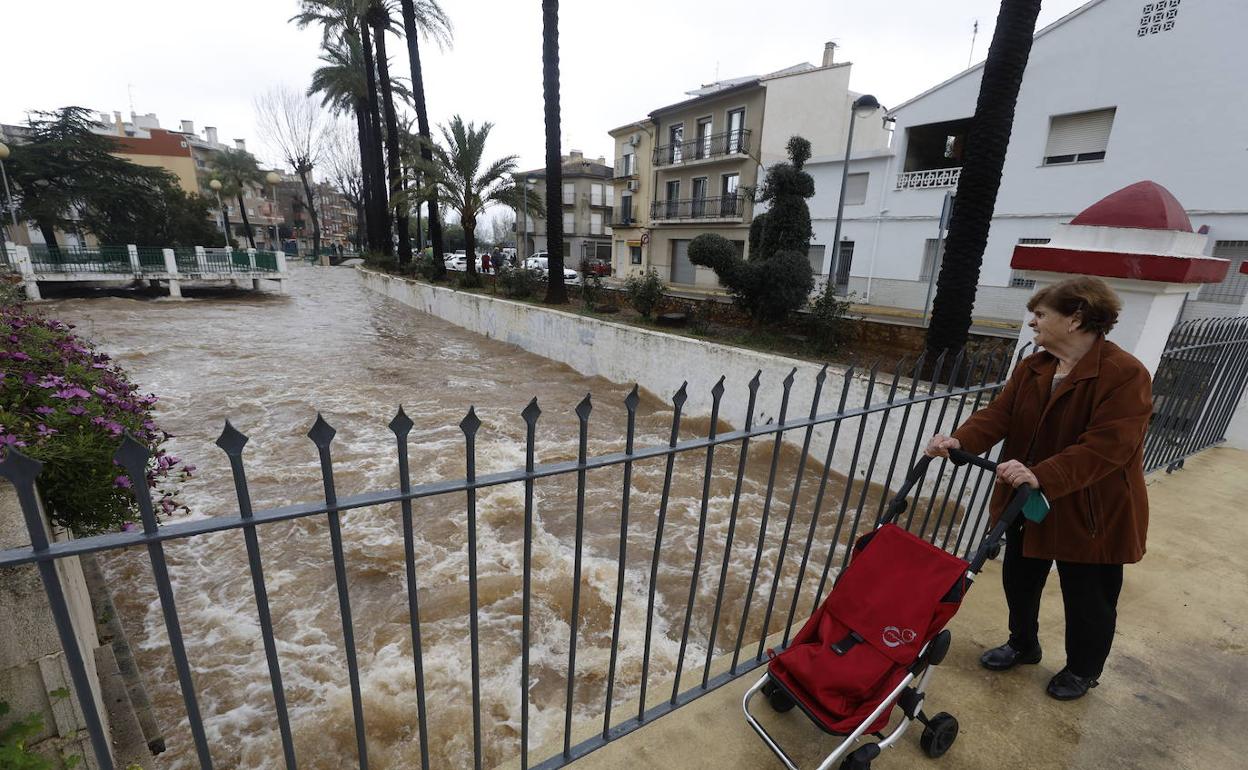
634, 140
634, 185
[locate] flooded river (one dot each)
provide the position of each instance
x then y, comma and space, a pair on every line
269, 363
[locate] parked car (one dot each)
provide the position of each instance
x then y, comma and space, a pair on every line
457, 261
540, 262
599, 267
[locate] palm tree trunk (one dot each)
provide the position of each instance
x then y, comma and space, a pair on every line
380, 210
422, 125
392, 145
986, 144
316, 220
470, 246
225, 222
556, 292
365, 222
242, 210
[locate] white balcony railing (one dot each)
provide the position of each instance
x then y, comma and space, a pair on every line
927, 180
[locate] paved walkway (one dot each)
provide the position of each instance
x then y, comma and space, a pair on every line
1174, 694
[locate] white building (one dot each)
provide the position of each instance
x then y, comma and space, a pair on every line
1116, 92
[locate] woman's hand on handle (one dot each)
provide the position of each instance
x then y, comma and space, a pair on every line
1016, 474
940, 444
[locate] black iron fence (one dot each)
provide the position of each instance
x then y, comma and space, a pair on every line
866, 437
724, 207
1199, 384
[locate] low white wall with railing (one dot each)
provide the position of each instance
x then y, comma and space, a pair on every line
660, 362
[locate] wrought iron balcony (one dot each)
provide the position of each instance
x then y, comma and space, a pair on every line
711, 146
929, 179
725, 207
624, 217
625, 168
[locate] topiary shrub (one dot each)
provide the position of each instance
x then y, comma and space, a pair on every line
776, 278
67, 405
517, 282
645, 292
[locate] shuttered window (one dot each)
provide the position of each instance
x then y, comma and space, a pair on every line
1234, 287
856, 189
1078, 138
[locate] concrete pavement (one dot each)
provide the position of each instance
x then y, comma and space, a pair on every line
1174, 693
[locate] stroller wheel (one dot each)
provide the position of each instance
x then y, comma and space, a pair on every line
777, 698
939, 735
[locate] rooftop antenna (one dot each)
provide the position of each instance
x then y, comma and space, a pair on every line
130, 91
974, 33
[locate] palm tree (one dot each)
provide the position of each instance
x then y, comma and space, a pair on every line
237, 169
468, 185
378, 17
986, 143
342, 18
556, 292
426, 17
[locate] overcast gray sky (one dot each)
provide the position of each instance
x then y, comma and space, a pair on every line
205, 61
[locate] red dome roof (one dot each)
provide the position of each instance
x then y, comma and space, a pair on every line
1145, 205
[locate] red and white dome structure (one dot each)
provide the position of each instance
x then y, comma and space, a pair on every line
1140, 240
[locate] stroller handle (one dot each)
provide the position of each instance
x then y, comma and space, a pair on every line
959, 457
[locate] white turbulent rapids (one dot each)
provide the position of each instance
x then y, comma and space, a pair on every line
269, 363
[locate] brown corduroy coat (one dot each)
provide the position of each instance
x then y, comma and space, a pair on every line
1084, 443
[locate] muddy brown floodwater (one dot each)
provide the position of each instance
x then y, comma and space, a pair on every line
269, 363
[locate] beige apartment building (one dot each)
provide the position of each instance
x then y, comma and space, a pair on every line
588, 199
685, 169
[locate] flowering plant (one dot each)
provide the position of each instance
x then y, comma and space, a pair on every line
68, 405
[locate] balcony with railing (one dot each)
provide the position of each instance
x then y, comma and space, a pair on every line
625, 167
724, 207
624, 216
929, 179
711, 146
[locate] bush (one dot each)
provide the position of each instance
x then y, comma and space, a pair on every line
13, 738
471, 281
765, 289
591, 286
68, 406
645, 292
828, 319
517, 282
425, 265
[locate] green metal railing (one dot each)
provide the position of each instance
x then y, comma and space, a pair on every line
266, 261
184, 257
151, 259
80, 259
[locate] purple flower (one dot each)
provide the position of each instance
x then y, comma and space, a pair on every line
30, 378
123, 482
129, 526
9, 440
99, 391
44, 431
19, 356
44, 410
76, 410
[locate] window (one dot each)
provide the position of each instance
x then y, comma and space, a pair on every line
676, 137
1234, 287
673, 198
569, 193
840, 271
698, 204
856, 189
736, 131
815, 255
569, 223
1017, 279
595, 194
1158, 17
626, 210
728, 204
628, 167
567, 252
595, 223
703, 147
933, 255
634, 255
1078, 138
610, 195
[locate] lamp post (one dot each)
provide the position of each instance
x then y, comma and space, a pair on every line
864, 106
4, 155
273, 178
215, 186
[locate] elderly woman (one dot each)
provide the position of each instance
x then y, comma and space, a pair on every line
1073, 418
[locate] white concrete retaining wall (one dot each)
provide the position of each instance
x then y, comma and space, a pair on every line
661, 362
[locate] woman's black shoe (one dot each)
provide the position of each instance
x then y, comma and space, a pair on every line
1006, 657
1066, 685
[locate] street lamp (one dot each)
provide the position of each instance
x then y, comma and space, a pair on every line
4, 155
864, 106
215, 186
273, 178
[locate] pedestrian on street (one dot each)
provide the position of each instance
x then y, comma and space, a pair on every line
1073, 418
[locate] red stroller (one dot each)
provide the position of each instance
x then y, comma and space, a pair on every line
880, 629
